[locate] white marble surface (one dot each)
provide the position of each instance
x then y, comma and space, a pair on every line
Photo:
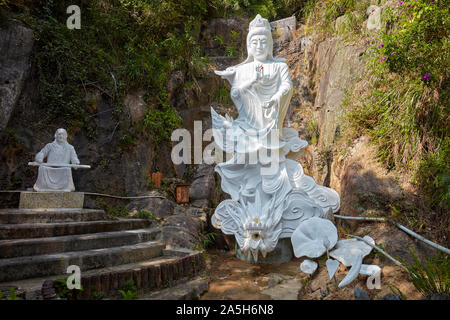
57, 152
308, 266
369, 269
353, 272
332, 267
347, 250
270, 194
313, 237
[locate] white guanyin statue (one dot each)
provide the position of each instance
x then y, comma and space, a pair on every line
270, 194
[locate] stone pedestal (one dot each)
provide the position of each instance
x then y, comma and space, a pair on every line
283, 252
36, 200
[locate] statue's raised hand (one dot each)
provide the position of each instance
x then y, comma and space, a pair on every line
227, 74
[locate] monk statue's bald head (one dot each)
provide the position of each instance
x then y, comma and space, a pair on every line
61, 135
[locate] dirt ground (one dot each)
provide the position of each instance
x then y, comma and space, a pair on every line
235, 279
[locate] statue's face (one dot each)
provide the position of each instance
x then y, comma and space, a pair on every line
60, 136
259, 47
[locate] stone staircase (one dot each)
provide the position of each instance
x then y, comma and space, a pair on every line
37, 246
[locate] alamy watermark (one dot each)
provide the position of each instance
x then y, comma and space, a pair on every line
374, 281
74, 20
231, 146
74, 280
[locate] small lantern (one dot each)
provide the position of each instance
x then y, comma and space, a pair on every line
156, 179
182, 191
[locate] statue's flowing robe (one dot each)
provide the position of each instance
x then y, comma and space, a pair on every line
56, 179
286, 195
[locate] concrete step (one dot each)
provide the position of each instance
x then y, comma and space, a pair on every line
44, 230
39, 246
8, 216
147, 275
53, 264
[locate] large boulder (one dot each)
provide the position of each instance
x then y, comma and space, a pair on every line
181, 231
160, 207
134, 102
203, 185
367, 189
282, 33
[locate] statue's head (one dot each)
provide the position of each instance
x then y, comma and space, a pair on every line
259, 40
61, 135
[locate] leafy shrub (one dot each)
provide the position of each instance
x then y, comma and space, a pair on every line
405, 111
322, 14
129, 290
430, 277
63, 292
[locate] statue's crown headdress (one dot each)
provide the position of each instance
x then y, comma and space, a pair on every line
259, 22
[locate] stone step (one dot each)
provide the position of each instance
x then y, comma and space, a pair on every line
39, 246
44, 230
185, 290
147, 275
53, 264
16, 216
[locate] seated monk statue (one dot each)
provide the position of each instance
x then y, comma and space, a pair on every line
58, 152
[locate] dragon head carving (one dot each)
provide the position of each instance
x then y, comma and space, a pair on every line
256, 227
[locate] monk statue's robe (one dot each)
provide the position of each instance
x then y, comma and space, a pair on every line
52, 178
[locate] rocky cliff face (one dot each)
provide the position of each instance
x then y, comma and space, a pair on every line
120, 165
16, 44
322, 71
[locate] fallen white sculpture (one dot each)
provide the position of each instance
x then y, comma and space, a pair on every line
56, 173
369, 269
308, 266
270, 194
353, 272
313, 237
348, 250
332, 267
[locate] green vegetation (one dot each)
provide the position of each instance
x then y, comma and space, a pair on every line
12, 295
223, 94
231, 47
320, 15
312, 132
146, 215
430, 277
116, 212
63, 292
206, 239
124, 45
113, 211
129, 44
270, 9
405, 111
129, 290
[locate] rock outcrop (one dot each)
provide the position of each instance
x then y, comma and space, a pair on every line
16, 44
